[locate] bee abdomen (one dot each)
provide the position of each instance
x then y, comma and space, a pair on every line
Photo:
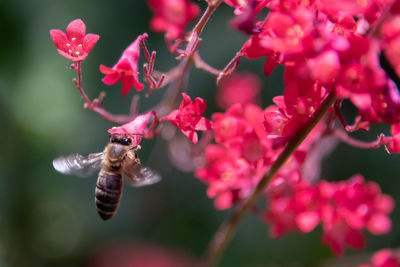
108, 194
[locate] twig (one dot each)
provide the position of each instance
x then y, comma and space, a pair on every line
227, 70
382, 140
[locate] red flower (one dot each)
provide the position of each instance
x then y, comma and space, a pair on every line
343, 208
171, 16
394, 146
253, 49
74, 45
238, 88
126, 68
135, 129
236, 164
188, 117
384, 258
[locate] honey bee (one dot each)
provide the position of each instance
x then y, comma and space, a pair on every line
118, 159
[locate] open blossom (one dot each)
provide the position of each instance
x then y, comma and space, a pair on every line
253, 49
75, 44
188, 117
136, 128
126, 68
172, 16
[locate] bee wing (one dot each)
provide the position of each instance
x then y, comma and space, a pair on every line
137, 175
142, 177
79, 165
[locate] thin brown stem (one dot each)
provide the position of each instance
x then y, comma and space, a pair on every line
201, 64
179, 73
382, 140
231, 66
78, 84
227, 70
225, 233
198, 29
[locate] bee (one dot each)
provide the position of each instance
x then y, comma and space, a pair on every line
119, 159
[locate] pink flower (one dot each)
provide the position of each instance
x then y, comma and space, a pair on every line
238, 88
172, 16
253, 49
384, 258
188, 117
136, 128
126, 68
343, 208
235, 165
75, 44
288, 32
326, 67
394, 146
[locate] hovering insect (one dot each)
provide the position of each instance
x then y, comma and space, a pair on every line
118, 159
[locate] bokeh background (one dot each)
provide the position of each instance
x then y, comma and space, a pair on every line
47, 219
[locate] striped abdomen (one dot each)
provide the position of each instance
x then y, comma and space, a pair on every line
108, 193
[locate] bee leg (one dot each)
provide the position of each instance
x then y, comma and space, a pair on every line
138, 147
131, 154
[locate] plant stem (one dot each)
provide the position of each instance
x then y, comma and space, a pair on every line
225, 233
382, 140
79, 84
181, 71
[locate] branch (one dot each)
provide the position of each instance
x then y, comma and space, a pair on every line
225, 233
227, 70
382, 140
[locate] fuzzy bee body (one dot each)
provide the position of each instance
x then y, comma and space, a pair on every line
108, 194
119, 159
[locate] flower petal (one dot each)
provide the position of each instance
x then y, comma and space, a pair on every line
59, 38
127, 83
76, 29
192, 135
89, 41
203, 124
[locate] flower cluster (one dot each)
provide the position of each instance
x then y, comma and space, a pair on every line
331, 51
324, 52
343, 208
236, 163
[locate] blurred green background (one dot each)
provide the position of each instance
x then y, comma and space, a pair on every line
48, 219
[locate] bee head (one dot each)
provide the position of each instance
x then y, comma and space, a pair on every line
121, 139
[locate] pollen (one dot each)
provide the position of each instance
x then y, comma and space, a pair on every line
68, 44
73, 39
227, 175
